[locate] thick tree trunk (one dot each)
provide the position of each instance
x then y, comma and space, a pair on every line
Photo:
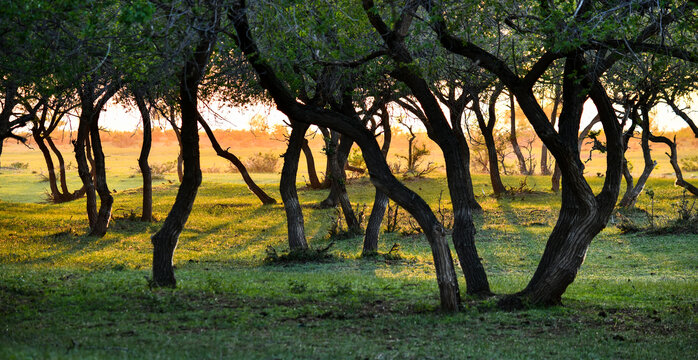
261, 194
381, 200
465, 155
523, 169
287, 187
165, 240
147, 214
105, 199
312, 171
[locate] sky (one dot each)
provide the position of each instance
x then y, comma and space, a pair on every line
220, 116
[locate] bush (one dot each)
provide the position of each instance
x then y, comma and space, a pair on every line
690, 163
262, 163
19, 165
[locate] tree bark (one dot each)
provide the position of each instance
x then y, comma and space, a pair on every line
105, 199
287, 187
80, 145
338, 184
312, 171
147, 214
165, 240
381, 200
261, 194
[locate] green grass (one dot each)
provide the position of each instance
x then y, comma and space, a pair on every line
65, 295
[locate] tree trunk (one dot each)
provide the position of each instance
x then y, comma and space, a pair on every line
487, 133
312, 172
523, 170
544, 169
105, 199
165, 240
465, 155
630, 197
81, 149
261, 194
52, 181
339, 188
287, 187
147, 214
61, 171
380, 201
673, 159
555, 179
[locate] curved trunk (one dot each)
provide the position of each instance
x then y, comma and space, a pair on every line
105, 199
629, 181
312, 171
61, 171
165, 240
147, 214
673, 159
287, 187
52, 181
261, 194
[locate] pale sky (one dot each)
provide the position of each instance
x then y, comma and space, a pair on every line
116, 117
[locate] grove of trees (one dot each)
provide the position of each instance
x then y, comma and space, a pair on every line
348, 69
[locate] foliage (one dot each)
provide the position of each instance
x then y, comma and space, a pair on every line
690, 163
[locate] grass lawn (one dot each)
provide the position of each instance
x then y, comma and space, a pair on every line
65, 295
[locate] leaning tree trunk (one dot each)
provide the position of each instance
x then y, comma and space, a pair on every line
673, 159
287, 187
312, 171
105, 199
261, 194
61, 168
147, 214
52, 181
630, 197
165, 240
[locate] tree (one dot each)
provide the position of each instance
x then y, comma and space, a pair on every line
378, 168
583, 214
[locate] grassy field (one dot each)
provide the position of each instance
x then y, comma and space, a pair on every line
65, 295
